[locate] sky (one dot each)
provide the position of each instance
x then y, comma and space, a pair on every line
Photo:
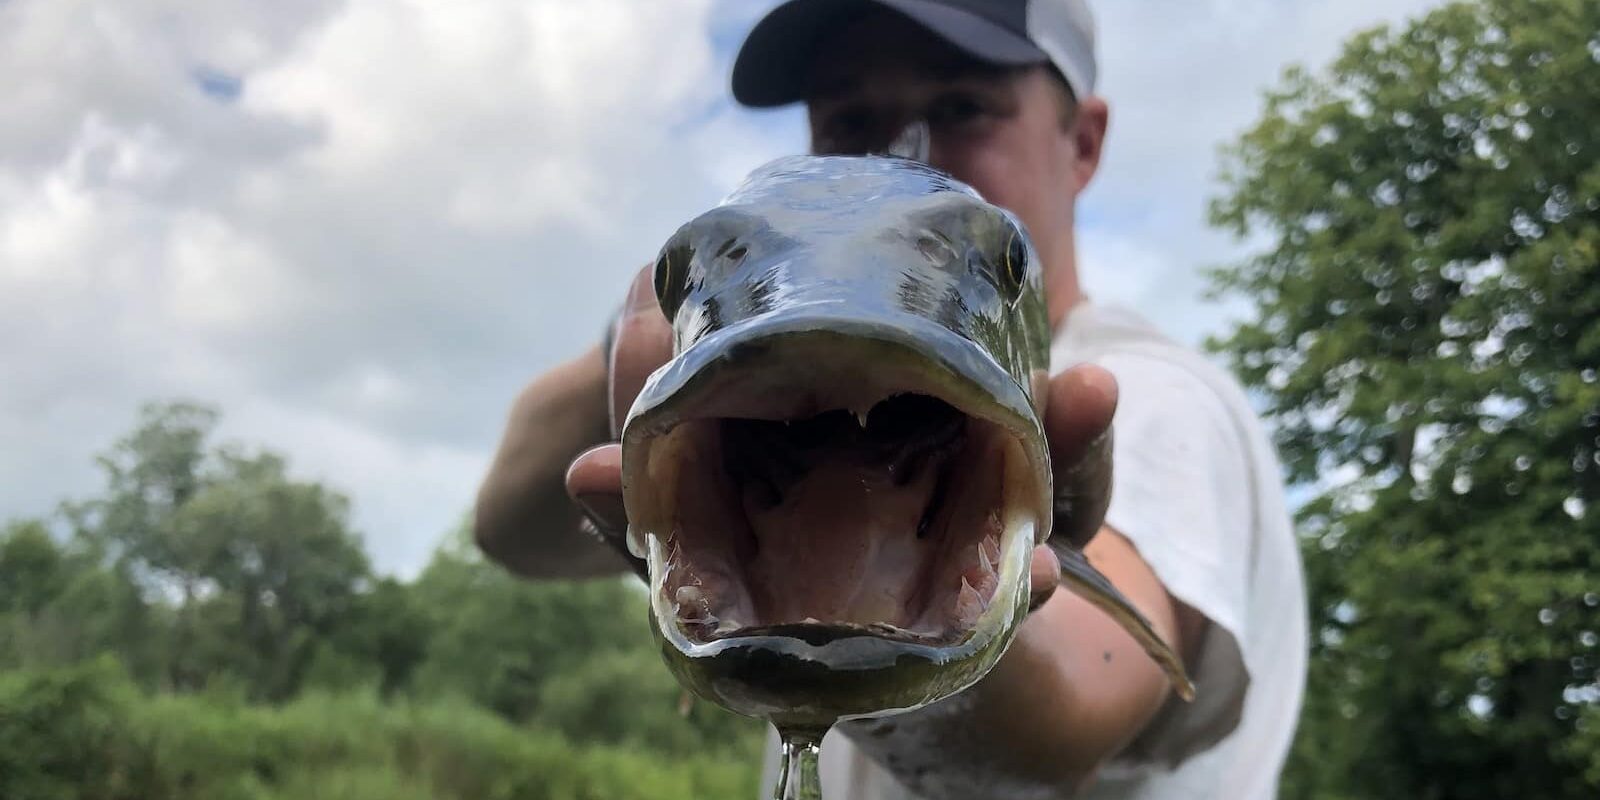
360, 227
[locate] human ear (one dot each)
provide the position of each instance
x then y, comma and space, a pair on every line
1088, 133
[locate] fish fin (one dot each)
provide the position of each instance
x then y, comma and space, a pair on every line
685, 704
1085, 581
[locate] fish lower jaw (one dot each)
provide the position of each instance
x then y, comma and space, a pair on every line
715, 608
711, 607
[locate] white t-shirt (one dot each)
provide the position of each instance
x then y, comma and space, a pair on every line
1198, 490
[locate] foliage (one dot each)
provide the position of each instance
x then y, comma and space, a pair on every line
573, 657
261, 565
87, 733
58, 605
1426, 341
209, 627
60, 735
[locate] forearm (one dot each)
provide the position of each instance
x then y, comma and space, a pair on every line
1072, 691
524, 518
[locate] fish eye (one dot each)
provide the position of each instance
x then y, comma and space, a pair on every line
671, 278
733, 251
936, 248
1014, 270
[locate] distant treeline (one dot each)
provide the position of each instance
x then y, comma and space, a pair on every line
209, 627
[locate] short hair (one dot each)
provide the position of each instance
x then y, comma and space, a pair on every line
1066, 99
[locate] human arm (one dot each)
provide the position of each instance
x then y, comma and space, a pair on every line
533, 514
1074, 689
524, 518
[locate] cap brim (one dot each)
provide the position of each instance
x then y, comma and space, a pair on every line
774, 62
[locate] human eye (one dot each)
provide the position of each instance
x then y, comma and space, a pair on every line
956, 109
847, 130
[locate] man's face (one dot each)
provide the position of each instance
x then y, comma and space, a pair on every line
1004, 132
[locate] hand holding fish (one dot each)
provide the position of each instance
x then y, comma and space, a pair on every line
848, 478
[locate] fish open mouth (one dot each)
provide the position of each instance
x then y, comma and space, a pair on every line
836, 497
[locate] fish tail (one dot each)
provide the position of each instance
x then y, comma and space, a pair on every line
1085, 581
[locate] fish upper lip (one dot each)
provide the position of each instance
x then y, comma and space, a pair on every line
1002, 398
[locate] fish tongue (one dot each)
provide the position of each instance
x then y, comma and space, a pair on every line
840, 547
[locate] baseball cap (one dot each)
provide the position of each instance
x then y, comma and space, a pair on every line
772, 66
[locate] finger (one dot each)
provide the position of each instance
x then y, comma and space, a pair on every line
1081, 403
642, 343
1044, 573
594, 482
1078, 417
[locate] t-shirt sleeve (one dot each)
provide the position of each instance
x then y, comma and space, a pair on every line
1181, 493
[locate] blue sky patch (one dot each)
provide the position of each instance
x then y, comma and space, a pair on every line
218, 85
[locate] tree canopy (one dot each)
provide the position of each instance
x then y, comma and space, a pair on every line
1425, 341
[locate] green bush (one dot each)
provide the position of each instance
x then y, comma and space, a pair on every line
86, 734
63, 736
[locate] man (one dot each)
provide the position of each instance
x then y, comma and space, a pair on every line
1196, 533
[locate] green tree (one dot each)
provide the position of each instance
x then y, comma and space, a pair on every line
279, 553
574, 656
384, 638
1426, 341
150, 474
59, 604
498, 638
34, 567
253, 569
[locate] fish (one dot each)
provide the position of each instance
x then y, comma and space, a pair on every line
835, 484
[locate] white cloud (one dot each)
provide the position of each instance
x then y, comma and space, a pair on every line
408, 210
412, 207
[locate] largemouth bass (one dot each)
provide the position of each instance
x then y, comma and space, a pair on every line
839, 477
